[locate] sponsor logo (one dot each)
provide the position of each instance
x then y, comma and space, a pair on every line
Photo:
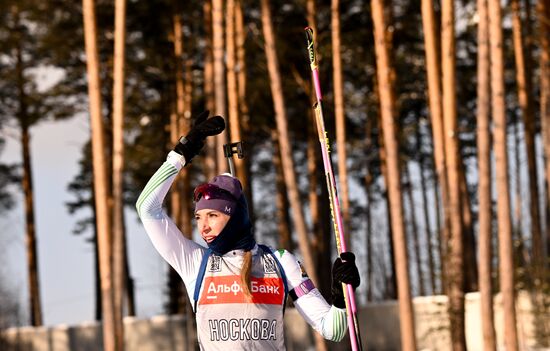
228, 289
242, 329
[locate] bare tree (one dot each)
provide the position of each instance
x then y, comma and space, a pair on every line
340, 115
232, 89
219, 78
543, 14
433, 69
406, 317
506, 264
210, 159
118, 231
414, 228
524, 87
455, 271
244, 117
427, 223
103, 220
284, 141
484, 186
24, 120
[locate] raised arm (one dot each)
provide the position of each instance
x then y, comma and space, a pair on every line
182, 254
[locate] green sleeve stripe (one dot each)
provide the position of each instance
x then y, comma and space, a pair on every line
339, 322
160, 176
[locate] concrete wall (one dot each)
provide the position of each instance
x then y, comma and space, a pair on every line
379, 325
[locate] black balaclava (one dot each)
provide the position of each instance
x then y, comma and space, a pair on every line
237, 233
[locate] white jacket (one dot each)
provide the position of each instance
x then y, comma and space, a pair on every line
225, 320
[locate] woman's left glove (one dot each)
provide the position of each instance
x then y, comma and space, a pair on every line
190, 145
345, 271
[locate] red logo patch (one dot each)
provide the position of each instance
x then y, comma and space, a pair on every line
228, 289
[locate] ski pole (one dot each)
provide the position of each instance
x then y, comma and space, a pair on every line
349, 295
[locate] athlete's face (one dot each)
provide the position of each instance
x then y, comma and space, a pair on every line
210, 223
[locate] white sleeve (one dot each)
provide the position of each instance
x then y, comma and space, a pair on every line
182, 254
329, 321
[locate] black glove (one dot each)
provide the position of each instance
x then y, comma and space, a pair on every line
345, 271
190, 145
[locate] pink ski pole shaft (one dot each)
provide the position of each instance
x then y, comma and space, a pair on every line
349, 294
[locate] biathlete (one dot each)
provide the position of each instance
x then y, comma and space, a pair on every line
238, 288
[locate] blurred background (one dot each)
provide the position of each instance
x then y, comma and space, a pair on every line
436, 116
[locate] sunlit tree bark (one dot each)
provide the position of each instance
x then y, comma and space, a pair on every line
281, 200
210, 168
119, 235
232, 92
485, 215
244, 118
543, 15
455, 270
284, 141
219, 79
406, 317
391, 290
524, 86
103, 221
433, 69
312, 147
340, 115
498, 105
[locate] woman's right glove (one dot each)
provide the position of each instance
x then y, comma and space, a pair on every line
345, 271
190, 145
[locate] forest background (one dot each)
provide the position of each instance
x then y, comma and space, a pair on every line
410, 88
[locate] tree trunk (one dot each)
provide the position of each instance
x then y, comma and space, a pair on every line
485, 217
524, 86
244, 119
391, 283
543, 14
232, 90
468, 238
455, 271
219, 80
35, 305
406, 317
368, 180
210, 168
369, 250
119, 235
281, 200
313, 154
100, 177
284, 140
501, 159
427, 223
340, 116
433, 69
414, 230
